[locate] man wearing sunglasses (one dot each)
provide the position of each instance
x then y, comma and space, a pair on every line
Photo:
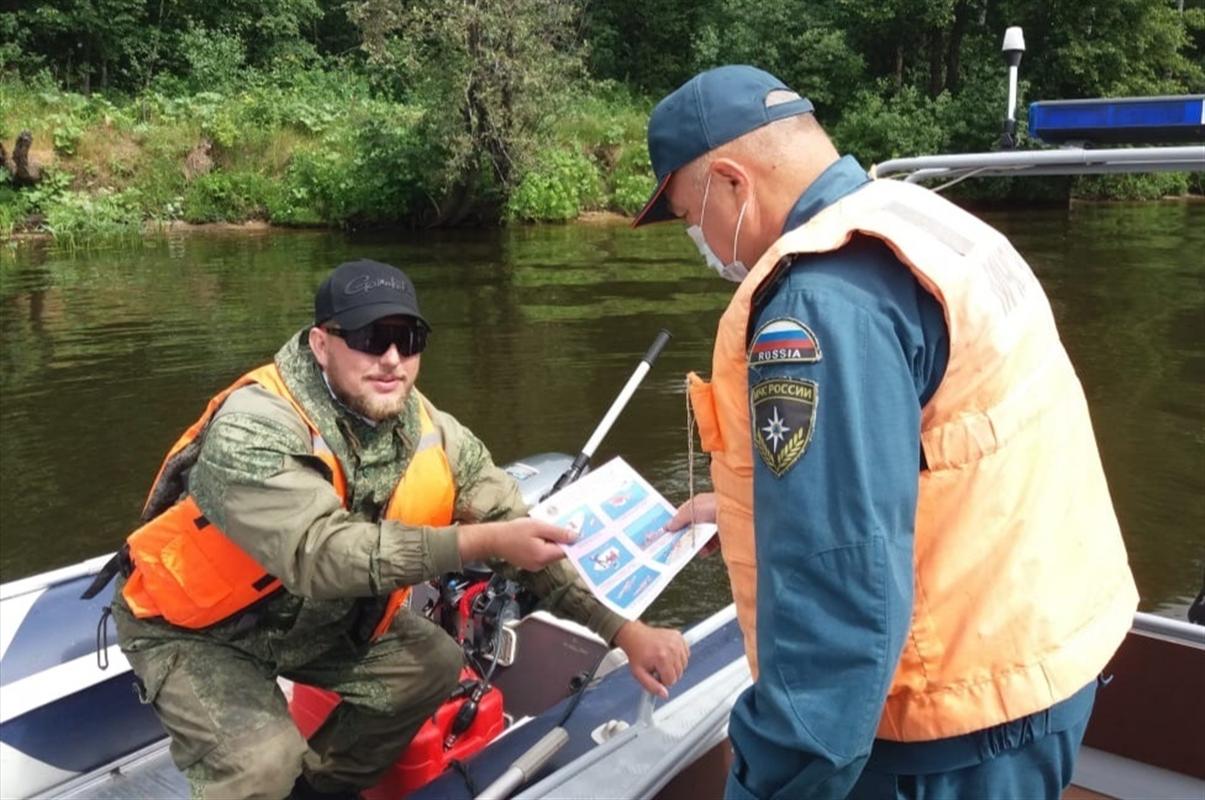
282, 534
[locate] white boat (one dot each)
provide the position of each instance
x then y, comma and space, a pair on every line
71, 729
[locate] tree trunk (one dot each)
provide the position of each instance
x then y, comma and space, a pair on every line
937, 80
455, 207
149, 68
899, 66
484, 129
27, 172
962, 18
87, 70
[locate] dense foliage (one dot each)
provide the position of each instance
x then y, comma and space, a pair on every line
450, 111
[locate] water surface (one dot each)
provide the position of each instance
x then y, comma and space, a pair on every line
107, 354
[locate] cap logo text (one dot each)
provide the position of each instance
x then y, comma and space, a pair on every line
366, 283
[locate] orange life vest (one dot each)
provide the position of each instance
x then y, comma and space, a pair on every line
1022, 587
188, 572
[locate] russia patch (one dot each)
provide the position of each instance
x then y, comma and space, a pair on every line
783, 341
784, 411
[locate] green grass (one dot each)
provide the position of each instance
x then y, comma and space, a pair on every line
320, 148
317, 148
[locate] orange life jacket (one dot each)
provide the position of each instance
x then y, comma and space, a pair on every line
1022, 587
188, 572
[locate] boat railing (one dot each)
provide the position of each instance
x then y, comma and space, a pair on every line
1170, 628
1061, 161
1168, 131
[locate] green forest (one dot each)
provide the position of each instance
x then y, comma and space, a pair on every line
450, 112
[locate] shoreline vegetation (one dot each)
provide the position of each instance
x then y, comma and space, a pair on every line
151, 228
437, 113
314, 155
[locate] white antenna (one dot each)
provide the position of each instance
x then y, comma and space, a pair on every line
1014, 46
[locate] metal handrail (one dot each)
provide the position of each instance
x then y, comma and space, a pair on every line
1170, 627
1063, 161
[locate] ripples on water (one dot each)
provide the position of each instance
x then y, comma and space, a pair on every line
108, 354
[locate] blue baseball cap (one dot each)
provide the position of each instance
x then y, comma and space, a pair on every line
709, 110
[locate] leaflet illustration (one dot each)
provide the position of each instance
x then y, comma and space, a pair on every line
623, 551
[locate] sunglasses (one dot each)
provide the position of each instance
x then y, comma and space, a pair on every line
377, 338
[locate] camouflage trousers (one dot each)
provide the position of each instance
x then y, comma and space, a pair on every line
231, 733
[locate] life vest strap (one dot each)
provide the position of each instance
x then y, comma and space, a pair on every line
120, 562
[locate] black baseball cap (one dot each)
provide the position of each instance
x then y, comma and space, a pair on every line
359, 293
710, 109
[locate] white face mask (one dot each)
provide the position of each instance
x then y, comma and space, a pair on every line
736, 271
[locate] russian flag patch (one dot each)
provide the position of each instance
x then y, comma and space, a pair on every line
784, 341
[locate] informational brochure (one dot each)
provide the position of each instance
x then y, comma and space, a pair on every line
623, 551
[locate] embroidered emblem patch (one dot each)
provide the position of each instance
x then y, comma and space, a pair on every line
783, 411
784, 341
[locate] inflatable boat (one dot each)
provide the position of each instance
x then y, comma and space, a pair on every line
70, 728
561, 717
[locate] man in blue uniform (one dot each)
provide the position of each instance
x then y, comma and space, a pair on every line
742, 160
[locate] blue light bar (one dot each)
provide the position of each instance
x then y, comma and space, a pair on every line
1135, 120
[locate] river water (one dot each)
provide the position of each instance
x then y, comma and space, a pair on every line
107, 354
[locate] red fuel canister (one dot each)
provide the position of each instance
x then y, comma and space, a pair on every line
425, 759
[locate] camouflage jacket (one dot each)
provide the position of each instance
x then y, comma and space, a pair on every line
257, 479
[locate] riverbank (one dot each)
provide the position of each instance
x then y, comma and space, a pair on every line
323, 149
318, 149
153, 228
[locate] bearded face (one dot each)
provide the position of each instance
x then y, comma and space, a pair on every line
374, 386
